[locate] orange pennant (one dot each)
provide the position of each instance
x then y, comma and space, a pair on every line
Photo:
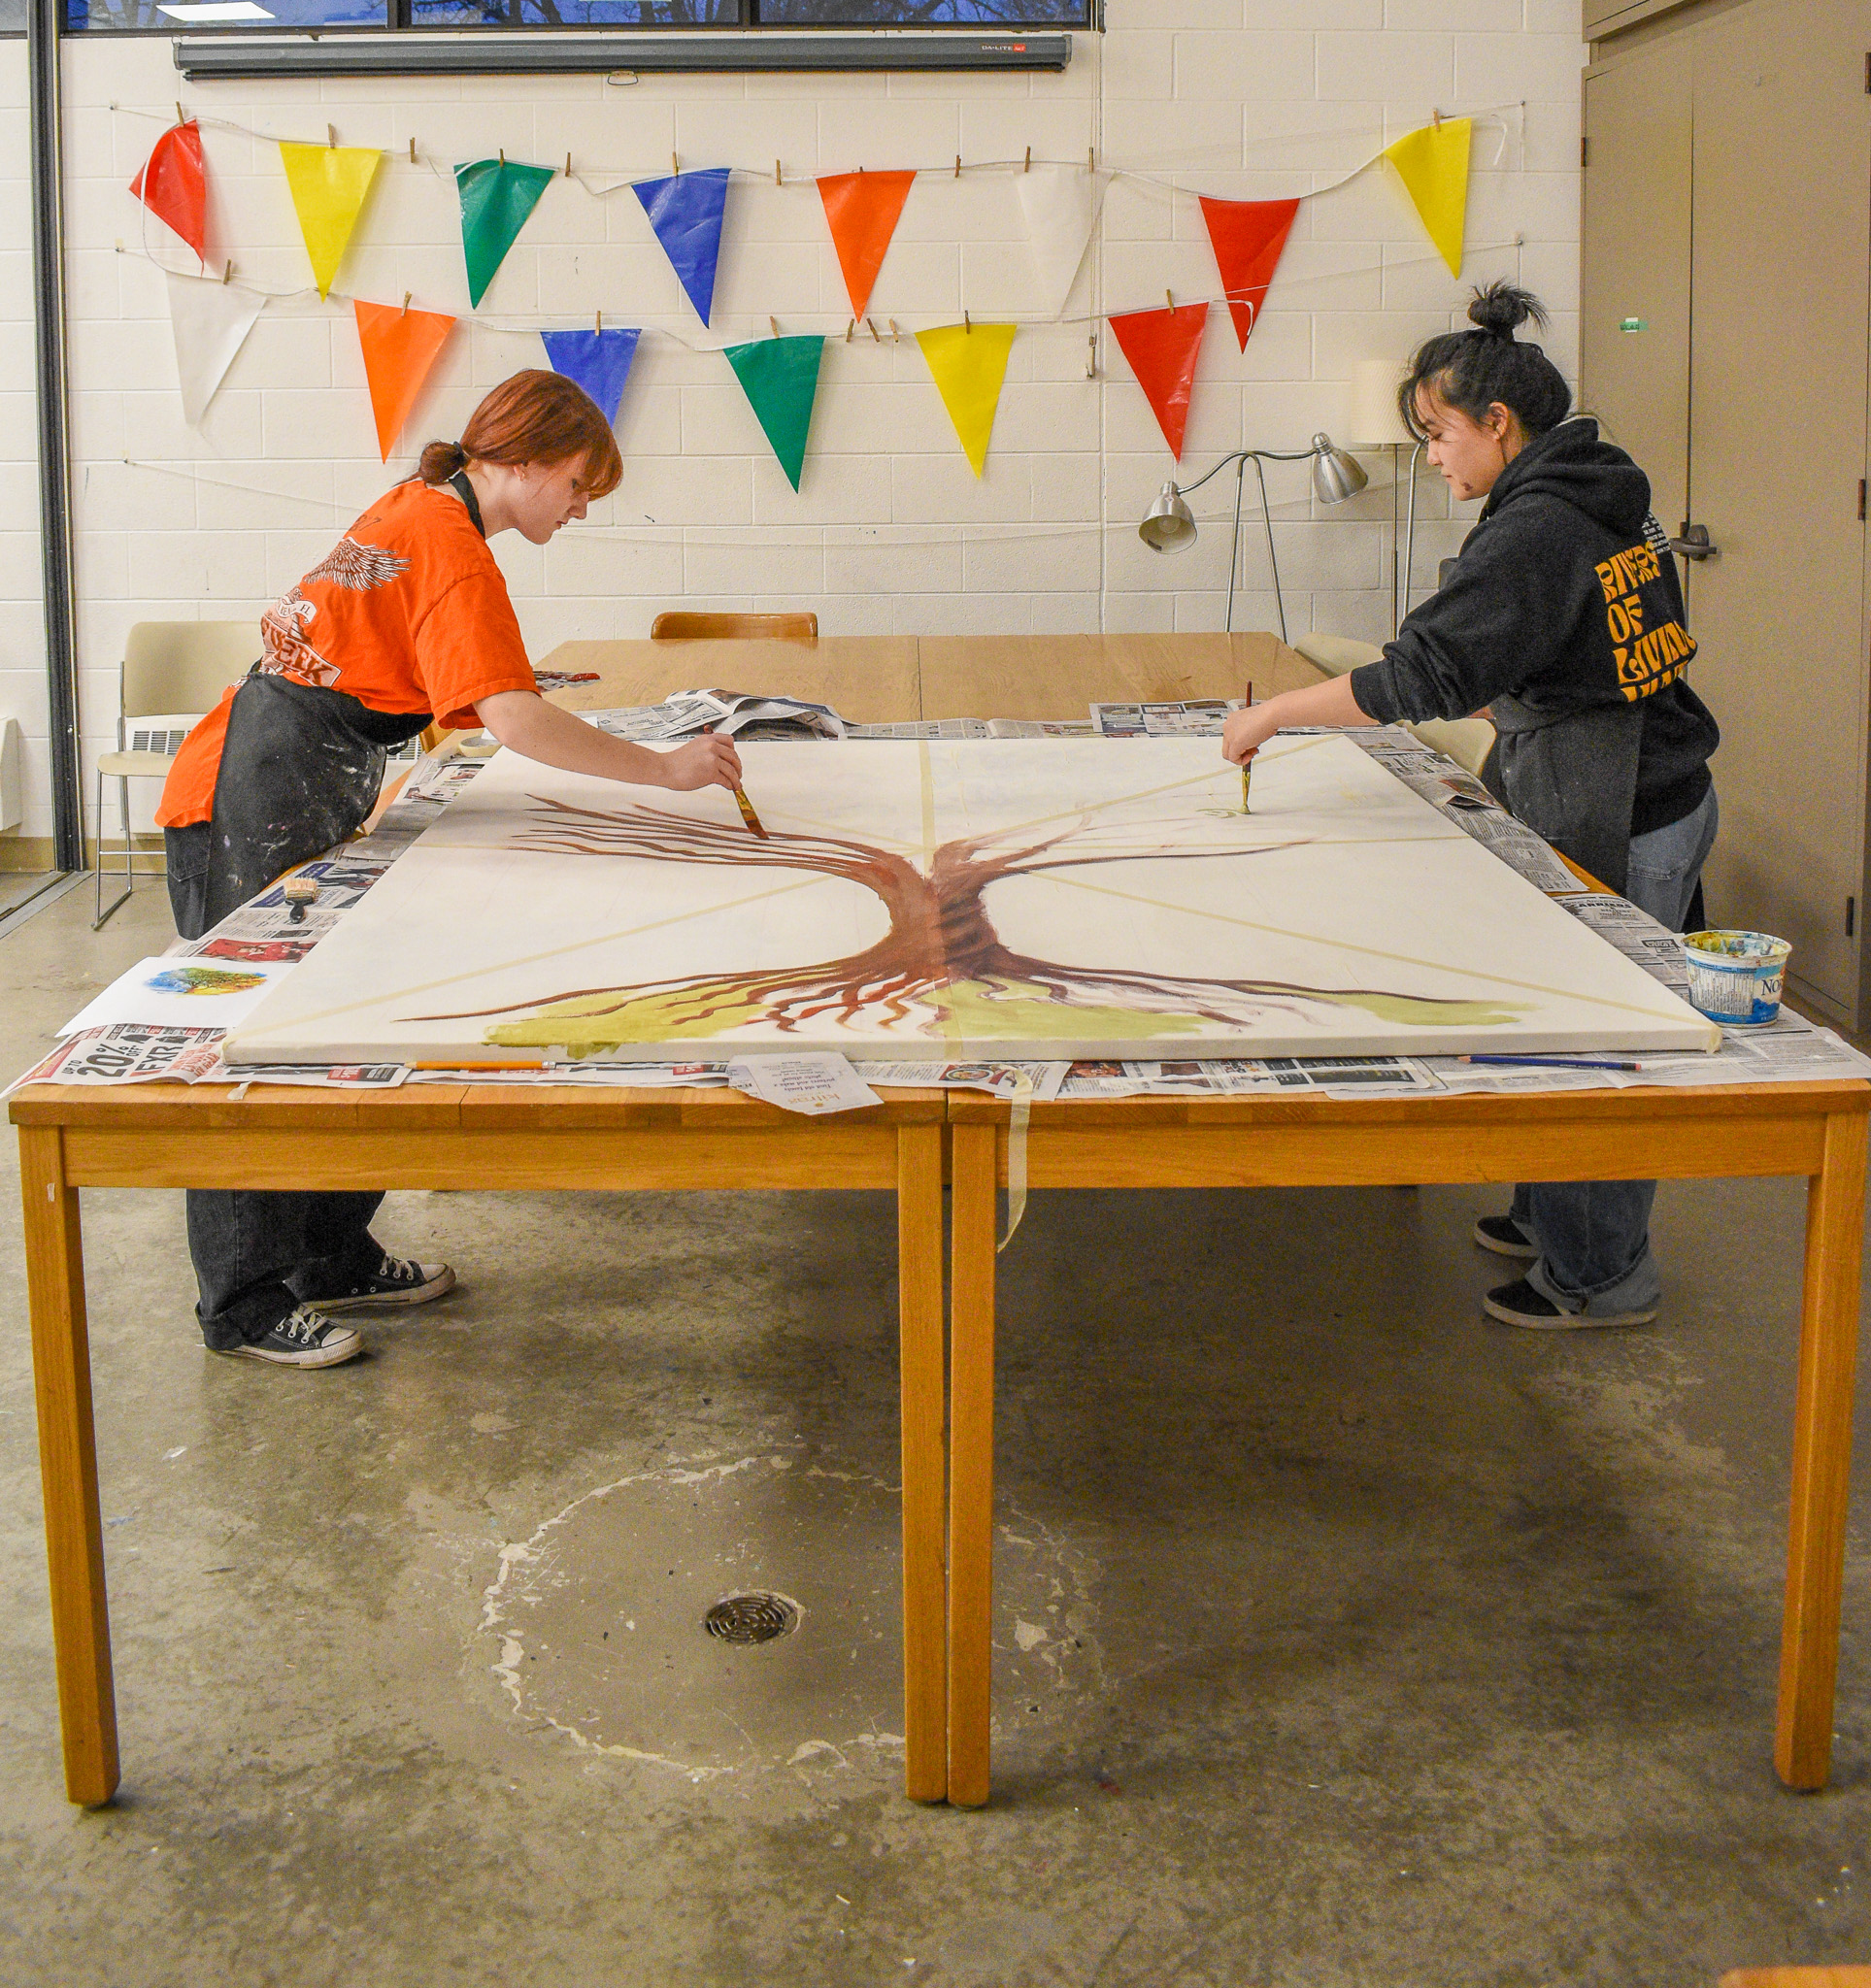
400, 350
862, 210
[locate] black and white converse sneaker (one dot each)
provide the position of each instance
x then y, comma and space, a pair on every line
1505, 1237
399, 1281
304, 1338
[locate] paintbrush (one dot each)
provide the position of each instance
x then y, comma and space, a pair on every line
1246, 777
746, 807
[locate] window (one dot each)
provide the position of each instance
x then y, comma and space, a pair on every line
172, 17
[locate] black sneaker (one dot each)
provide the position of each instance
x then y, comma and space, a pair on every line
1520, 1303
399, 1281
305, 1339
1505, 1237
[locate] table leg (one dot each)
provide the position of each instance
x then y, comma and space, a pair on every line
1809, 1649
61, 1364
971, 1461
919, 1268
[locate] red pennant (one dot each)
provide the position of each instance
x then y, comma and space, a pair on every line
173, 185
861, 210
1248, 236
1161, 347
400, 347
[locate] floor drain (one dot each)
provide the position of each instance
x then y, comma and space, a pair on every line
750, 1618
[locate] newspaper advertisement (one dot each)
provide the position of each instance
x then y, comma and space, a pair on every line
1002, 1080
1196, 717
1330, 1076
684, 714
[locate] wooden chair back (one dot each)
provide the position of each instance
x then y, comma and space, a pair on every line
680, 627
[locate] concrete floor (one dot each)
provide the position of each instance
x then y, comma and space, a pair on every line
1345, 1638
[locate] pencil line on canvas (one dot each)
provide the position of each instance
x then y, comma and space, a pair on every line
1352, 946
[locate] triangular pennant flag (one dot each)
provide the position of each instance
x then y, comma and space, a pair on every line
598, 360
328, 185
687, 213
969, 362
496, 199
1161, 347
173, 185
1433, 165
211, 321
862, 210
400, 348
1247, 236
1060, 205
780, 376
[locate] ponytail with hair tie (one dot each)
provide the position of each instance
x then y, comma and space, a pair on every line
1472, 370
441, 460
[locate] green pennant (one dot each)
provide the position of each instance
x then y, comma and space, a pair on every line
496, 199
780, 376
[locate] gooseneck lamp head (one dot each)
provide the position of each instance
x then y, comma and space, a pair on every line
1336, 476
1169, 525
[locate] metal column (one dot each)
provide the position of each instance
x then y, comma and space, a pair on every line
54, 471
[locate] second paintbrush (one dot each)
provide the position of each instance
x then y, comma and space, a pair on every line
746, 807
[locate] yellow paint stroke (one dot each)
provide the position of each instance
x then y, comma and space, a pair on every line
1369, 951
554, 953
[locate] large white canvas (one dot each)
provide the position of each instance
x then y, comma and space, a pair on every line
1044, 898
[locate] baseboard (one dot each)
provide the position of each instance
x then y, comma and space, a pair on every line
36, 852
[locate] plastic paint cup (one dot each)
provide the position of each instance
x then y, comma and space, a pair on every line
1735, 977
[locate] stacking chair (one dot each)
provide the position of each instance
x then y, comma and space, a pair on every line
169, 668
728, 627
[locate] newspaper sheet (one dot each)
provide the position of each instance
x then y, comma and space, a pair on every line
1635, 934
683, 713
141, 1052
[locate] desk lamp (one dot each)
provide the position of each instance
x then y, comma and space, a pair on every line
1169, 525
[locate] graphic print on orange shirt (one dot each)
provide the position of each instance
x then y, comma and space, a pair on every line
408, 614
289, 652
1647, 657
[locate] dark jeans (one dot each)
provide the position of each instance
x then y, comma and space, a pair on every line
301, 771
259, 1255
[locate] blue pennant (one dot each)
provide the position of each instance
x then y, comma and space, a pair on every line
598, 360
687, 213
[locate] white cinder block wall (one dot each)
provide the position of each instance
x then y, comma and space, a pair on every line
891, 533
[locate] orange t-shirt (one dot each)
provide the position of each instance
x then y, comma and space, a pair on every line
408, 613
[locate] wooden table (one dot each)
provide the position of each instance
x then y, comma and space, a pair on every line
873, 679
1814, 1129
458, 1137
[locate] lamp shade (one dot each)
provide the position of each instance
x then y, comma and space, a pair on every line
1336, 476
1169, 525
1375, 420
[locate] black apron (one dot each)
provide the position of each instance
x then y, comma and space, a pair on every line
300, 769
1571, 776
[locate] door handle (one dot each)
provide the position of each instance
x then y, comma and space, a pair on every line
1694, 542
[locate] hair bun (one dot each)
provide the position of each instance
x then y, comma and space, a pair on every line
1502, 308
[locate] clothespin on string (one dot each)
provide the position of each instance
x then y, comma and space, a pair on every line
775, 322
331, 136
181, 118
675, 165
407, 295
1028, 167
957, 154
777, 180
851, 325
966, 325
568, 165
896, 336
872, 322
412, 158
228, 274
600, 324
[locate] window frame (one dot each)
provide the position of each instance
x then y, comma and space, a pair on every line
400, 23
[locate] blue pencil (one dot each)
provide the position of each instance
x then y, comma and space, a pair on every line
1552, 1063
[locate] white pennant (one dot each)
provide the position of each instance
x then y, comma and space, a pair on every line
211, 321
1061, 207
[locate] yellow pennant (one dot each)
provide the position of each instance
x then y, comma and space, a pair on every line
1433, 165
329, 183
969, 362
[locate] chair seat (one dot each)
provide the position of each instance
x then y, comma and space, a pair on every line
118, 766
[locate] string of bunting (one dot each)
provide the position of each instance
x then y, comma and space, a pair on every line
1059, 203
